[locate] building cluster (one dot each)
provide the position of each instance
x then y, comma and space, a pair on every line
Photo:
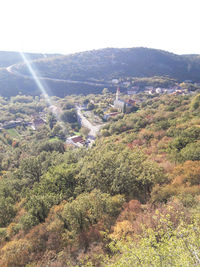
123, 105
131, 88
158, 90
35, 122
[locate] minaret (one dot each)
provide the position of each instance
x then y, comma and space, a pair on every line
117, 94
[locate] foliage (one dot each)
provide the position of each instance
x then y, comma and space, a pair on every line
69, 116
175, 247
94, 70
115, 170
162, 236
133, 198
89, 209
7, 211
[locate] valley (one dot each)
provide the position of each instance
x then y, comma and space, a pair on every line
100, 167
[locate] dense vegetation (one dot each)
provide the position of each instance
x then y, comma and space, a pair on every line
9, 58
106, 64
133, 199
92, 71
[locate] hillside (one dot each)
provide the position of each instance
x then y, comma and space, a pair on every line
91, 71
132, 199
109, 63
10, 58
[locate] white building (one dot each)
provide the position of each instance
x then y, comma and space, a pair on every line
115, 81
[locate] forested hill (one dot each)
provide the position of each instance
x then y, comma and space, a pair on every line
10, 58
91, 71
109, 63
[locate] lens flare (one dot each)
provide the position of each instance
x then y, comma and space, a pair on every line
43, 89
35, 76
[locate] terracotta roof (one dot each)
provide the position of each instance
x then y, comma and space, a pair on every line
113, 114
78, 139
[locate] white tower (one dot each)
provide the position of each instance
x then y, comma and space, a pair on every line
117, 94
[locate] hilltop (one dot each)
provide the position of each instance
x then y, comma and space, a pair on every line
91, 71
109, 63
9, 58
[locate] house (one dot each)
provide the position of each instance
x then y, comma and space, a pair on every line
133, 90
126, 84
178, 92
115, 81
151, 92
158, 90
76, 141
11, 124
130, 104
37, 122
113, 114
188, 81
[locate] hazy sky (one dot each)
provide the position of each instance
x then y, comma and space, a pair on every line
67, 26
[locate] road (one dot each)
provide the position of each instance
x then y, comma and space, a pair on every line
94, 129
13, 71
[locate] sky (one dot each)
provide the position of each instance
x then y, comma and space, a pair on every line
69, 26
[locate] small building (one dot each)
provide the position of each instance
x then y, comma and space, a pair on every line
130, 102
151, 92
11, 124
113, 114
133, 90
126, 84
115, 81
188, 81
178, 92
76, 141
37, 122
158, 90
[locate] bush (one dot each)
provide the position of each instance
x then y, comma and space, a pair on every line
7, 211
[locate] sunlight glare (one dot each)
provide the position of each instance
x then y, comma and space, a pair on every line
41, 85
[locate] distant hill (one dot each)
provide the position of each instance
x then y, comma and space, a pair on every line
10, 58
109, 63
97, 68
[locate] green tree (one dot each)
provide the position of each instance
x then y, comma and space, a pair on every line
117, 170
38, 206
31, 168
90, 208
84, 131
191, 152
59, 180
69, 116
7, 211
51, 120
195, 103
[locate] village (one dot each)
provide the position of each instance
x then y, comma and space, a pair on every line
95, 111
